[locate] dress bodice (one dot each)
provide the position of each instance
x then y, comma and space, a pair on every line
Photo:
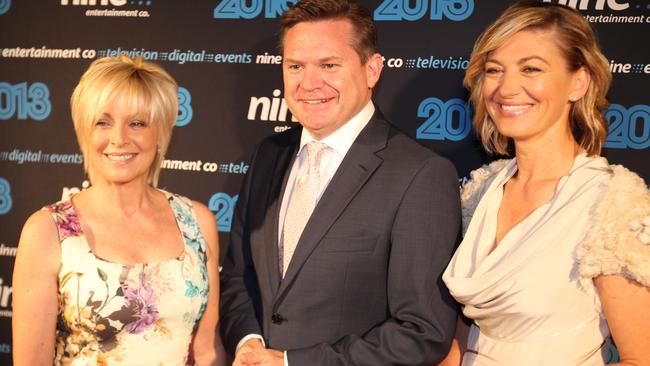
524, 296
135, 314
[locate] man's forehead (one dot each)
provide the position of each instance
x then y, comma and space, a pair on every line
338, 26
312, 35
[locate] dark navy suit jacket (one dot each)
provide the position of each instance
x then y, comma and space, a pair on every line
364, 285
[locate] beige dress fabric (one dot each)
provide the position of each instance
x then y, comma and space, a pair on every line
524, 296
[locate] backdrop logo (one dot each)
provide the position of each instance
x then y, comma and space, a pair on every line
450, 120
185, 111
5, 196
428, 62
4, 6
95, 2
223, 206
267, 59
109, 7
5, 348
270, 109
593, 4
628, 127
25, 101
46, 52
456, 10
249, 9
192, 165
7, 250
5, 299
628, 68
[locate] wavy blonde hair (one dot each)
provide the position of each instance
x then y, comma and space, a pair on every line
577, 41
142, 85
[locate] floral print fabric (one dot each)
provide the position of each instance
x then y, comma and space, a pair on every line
136, 314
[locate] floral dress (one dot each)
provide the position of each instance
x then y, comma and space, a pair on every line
135, 314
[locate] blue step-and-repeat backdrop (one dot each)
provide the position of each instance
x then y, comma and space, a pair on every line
223, 54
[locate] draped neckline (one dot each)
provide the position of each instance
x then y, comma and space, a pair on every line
477, 265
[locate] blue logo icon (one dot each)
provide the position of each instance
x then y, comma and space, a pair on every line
5, 196
4, 6
240, 9
223, 206
450, 120
25, 101
411, 10
185, 111
5, 348
628, 127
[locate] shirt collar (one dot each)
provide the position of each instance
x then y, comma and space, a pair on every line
341, 139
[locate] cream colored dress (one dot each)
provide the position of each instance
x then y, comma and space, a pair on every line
128, 314
527, 299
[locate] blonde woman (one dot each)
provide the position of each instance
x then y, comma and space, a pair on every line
555, 260
122, 273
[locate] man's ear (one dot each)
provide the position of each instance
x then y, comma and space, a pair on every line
374, 65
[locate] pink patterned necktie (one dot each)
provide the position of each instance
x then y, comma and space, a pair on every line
301, 204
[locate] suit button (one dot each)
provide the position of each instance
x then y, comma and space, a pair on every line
277, 318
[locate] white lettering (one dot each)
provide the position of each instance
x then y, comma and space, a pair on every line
8, 251
94, 2
5, 292
272, 109
600, 4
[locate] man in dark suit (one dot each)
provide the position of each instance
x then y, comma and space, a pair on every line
344, 226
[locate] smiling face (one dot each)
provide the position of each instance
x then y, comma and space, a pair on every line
528, 88
122, 144
325, 82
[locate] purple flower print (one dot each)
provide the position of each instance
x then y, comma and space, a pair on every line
67, 219
140, 302
70, 228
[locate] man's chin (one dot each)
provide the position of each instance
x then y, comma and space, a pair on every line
313, 123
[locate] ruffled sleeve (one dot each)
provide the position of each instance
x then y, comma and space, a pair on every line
619, 241
472, 191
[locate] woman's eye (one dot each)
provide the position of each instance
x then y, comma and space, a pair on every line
138, 124
531, 69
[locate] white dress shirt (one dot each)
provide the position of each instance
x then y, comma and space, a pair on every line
339, 142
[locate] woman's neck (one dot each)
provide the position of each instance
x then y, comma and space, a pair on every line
122, 200
548, 159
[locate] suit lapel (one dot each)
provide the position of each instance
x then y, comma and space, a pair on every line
355, 169
280, 175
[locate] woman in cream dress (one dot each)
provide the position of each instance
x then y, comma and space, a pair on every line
555, 260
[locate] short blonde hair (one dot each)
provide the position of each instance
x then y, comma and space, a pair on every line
578, 43
145, 87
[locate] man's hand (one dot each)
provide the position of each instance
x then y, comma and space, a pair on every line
263, 357
249, 346
252, 352
255, 354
